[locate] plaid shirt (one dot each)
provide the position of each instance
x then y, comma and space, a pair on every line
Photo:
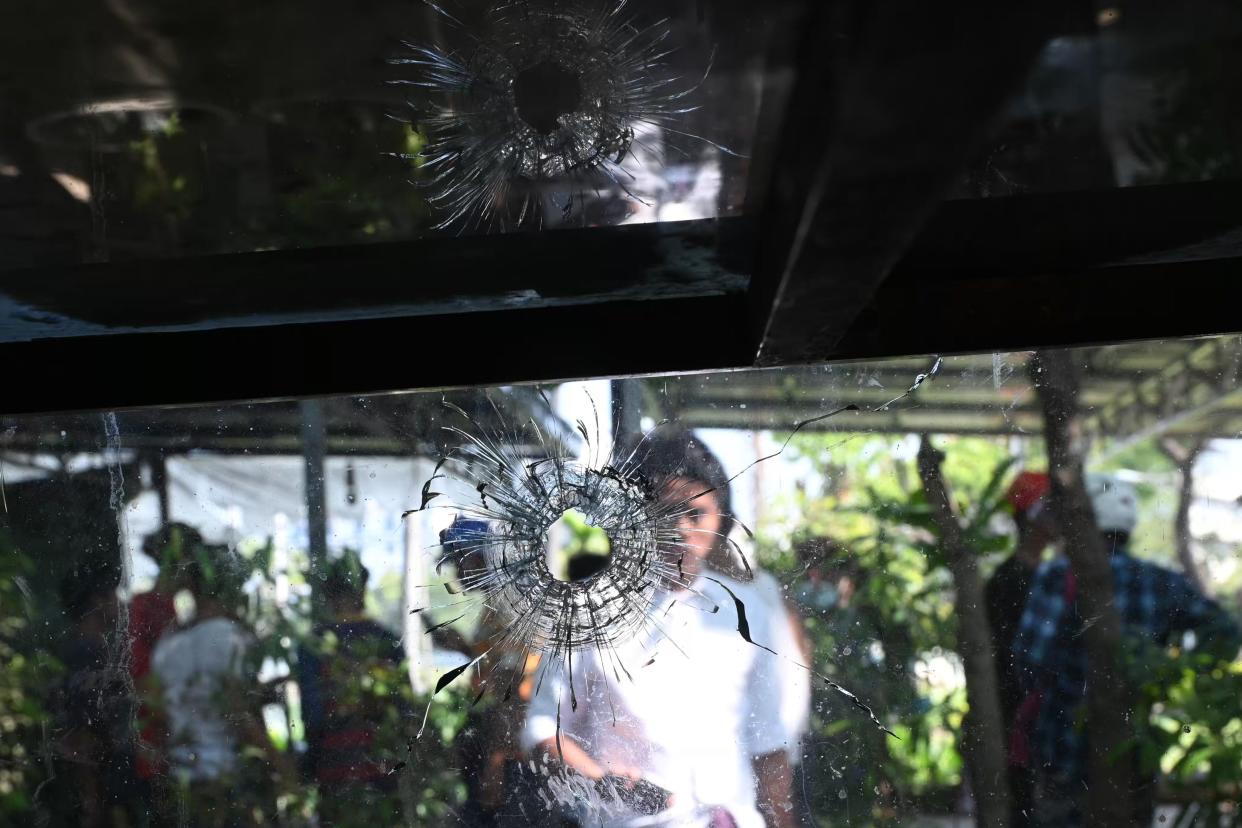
1156, 605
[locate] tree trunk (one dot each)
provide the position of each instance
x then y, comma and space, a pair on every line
1108, 801
983, 743
1185, 457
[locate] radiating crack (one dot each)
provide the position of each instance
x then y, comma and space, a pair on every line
506, 504
549, 98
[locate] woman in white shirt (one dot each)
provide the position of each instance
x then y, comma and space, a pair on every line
700, 713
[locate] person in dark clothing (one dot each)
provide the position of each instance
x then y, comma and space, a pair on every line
1005, 596
341, 715
502, 787
150, 614
1156, 607
95, 783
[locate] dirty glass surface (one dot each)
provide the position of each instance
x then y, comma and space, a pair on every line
875, 593
1132, 93
142, 130
135, 133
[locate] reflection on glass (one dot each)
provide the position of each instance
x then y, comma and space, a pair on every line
180, 650
554, 113
1140, 93
146, 131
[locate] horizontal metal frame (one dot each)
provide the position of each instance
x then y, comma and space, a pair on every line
371, 356
920, 308
437, 276
853, 254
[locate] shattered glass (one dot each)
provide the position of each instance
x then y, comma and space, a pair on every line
149, 132
729, 596
560, 108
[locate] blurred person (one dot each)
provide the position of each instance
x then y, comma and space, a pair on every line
502, 791
1156, 606
795, 680
1005, 596
95, 784
343, 719
831, 592
150, 614
486, 747
209, 690
795, 685
828, 579
700, 738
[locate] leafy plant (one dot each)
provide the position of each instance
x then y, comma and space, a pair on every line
1191, 702
893, 640
26, 680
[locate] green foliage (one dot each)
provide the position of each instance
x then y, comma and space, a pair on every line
1197, 721
368, 687
893, 641
166, 183
268, 590
26, 681
585, 539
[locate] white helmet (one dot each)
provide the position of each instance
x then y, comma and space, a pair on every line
1115, 502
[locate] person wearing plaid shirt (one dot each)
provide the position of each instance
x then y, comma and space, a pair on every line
1155, 605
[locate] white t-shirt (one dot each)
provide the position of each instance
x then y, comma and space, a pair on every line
691, 723
795, 680
192, 665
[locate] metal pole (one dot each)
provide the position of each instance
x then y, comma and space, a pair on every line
159, 482
314, 451
627, 407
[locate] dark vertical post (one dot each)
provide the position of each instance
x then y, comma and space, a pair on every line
627, 406
1185, 455
983, 742
314, 451
1109, 700
159, 482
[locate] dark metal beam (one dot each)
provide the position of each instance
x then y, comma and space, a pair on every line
1074, 231
926, 310
935, 301
890, 101
1191, 387
435, 276
366, 356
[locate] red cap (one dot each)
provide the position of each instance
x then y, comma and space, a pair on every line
1027, 489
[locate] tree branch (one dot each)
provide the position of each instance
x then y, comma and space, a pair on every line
1108, 699
984, 743
1185, 456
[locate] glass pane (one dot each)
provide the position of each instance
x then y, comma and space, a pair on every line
842, 594
141, 130
1139, 93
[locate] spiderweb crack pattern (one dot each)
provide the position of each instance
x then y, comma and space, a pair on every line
547, 96
502, 568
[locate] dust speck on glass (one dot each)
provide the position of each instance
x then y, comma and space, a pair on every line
821, 595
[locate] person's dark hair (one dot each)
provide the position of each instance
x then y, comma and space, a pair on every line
185, 536
346, 580
1021, 522
197, 575
668, 452
581, 567
212, 572
1116, 539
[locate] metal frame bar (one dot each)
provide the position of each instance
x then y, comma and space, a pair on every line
854, 256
